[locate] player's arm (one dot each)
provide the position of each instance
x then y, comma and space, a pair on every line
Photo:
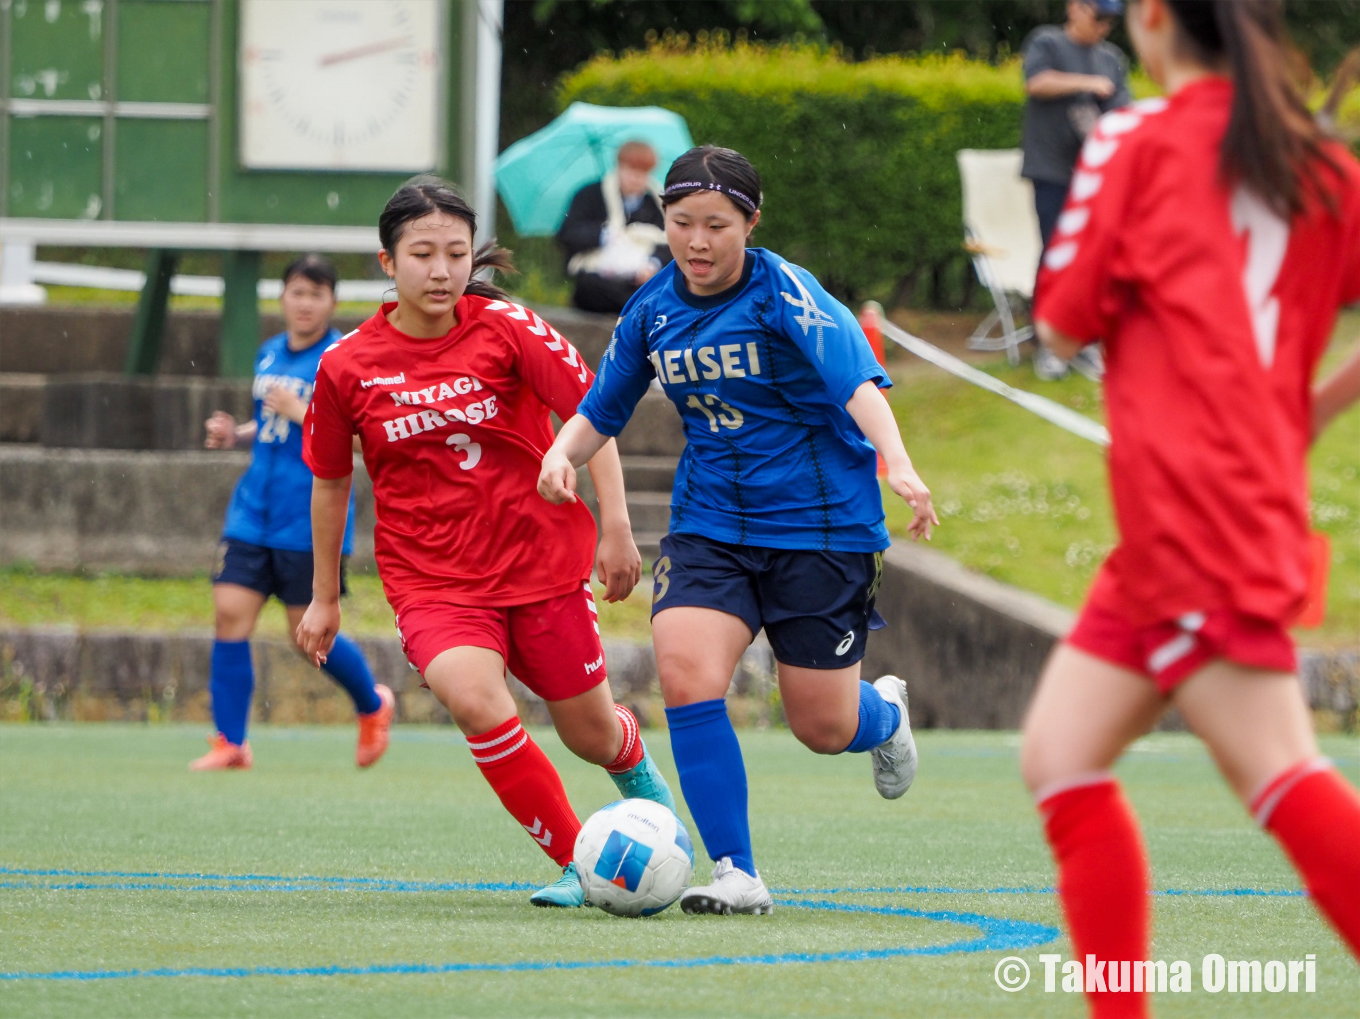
1056, 84
617, 562
224, 433
1337, 392
871, 412
286, 404
327, 448
321, 622
625, 374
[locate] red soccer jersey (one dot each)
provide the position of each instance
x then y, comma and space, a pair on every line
1214, 312
453, 431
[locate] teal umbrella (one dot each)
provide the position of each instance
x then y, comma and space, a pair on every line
538, 176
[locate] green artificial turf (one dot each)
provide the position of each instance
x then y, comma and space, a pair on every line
104, 798
1028, 503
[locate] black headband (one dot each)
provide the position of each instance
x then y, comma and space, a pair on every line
688, 187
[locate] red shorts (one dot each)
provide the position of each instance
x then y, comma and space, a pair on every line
1171, 652
551, 646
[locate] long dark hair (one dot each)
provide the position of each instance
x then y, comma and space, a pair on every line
710, 168
425, 194
1273, 146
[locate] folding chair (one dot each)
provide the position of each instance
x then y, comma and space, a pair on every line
1001, 233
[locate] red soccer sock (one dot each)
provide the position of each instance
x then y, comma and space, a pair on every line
1315, 815
529, 786
630, 755
1103, 884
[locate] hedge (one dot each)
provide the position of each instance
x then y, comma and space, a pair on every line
858, 159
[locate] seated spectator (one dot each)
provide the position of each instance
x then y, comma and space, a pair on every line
614, 234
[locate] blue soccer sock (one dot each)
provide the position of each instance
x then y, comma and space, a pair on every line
231, 683
878, 720
347, 665
713, 778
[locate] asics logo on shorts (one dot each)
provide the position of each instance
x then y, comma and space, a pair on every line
847, 642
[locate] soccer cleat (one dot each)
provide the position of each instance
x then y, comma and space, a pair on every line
1089, 362
224, 756
374, 729
644, 781
895, 760
564, 893
1048, 366
732, 891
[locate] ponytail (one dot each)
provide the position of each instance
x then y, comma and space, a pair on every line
425, 194
1273, 144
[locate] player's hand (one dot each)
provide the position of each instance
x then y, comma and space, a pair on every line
907, 483
221, 429
557, 479
286, 403
1101, 86
618, 563
316, 633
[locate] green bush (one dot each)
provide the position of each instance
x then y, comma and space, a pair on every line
858, 159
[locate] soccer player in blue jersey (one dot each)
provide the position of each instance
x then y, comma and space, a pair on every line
776, 516
266, 544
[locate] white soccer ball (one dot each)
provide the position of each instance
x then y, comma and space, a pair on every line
634, 858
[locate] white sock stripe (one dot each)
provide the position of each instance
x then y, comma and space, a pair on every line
630, 729
1261, 815
504, 753
497, 741
1079, 781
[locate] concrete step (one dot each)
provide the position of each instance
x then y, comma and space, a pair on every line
106, 410
67, 338
649, 473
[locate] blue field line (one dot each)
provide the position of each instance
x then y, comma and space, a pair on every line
161, 881
998, 934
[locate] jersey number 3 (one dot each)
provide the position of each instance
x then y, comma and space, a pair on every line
462, 443
1267, 241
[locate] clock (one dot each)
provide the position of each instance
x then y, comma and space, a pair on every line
340, 84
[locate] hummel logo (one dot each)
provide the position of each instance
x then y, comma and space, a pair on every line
546, 840
398, 379
813, 316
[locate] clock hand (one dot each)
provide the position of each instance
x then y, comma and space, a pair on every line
365, 51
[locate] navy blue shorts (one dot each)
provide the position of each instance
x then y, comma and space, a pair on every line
271, 571
817, 608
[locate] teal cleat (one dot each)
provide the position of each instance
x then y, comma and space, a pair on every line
644, 781
564, 893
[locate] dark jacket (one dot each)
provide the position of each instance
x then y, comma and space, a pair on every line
587, 216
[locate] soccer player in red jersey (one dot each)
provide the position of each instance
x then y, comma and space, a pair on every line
449, 389
1209, 239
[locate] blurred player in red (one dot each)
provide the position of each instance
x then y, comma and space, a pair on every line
1209, 239
449, 389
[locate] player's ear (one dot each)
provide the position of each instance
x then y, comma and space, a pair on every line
388, 263
751, 223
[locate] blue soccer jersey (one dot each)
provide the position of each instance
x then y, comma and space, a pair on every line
761, 374
272, 504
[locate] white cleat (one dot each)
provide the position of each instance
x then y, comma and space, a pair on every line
732, 891
895, 760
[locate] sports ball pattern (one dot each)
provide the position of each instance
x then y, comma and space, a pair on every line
634, 858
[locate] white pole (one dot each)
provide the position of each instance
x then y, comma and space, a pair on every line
490, 20
16, 273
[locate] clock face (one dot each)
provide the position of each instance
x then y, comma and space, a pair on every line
340, 84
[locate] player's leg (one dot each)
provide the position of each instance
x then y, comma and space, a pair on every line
1257, 727
1085, 711
241, 583
461, 654
555, 650
818, 608
374, 703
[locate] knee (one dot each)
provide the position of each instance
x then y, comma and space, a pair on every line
686, 680
597, 744
822, 736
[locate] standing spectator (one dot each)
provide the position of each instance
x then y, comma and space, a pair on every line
1072, 76
614, 234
